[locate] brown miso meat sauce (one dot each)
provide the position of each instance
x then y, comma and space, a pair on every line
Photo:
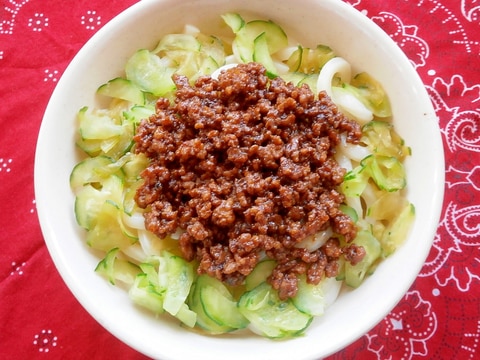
244, 166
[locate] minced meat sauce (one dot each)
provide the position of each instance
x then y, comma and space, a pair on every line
244, 166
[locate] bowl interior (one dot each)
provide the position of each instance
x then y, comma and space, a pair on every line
310, 22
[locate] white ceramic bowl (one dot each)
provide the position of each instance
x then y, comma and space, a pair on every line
331, 22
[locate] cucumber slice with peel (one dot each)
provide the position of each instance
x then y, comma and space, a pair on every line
203, 320
270, 316
219, 305
314, 299
246, 33
114, 268
234, 21
87, 171
180, 276
262, 55
124, 89
259, 274
355, 274
396, 232
149, 73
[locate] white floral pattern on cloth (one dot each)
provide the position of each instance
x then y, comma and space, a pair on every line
471, 10
405, 36
419, 326
408, 328
91, 20
17, 269
11, 10
51, 75
38, 22
5, 165
45, 341
459, 230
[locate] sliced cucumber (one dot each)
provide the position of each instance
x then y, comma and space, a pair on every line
213, 48
117, 269
386, 171
234, 21
89, 200
355, 274
314, 299
180, 276
309, 61
259, 274
195, 304
271, 316
103, 133
164, 285
355, 181
262, 55
97, 125
149, 73
219, 305
139, 112
186, 316
396, 233
372, 94
294, 77
350, 211
386, 207
145, 294
124, 89
172, 42
106, 233
243, 44
86, 171
381, 138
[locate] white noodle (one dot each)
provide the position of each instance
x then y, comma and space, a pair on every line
314, 242
354, 152
135, 252
135, 221
217, 72
343, 99
337, 65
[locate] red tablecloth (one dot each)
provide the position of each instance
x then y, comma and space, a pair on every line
439, 317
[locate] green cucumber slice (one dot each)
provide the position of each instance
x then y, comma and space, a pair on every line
243, 44
149, 73
124, 89
180, 276
372, 94
97, 125
234, 21
259, 274
380, 136
195, 304
314, 299
219, 305
386, 171
262, 55
145, 294
396, 232
106, 233
89, 200
114, 268
86, 171
271, 316
355, 274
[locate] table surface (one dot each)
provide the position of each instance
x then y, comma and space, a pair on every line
438, 318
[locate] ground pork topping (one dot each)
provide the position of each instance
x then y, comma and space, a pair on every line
243, 166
